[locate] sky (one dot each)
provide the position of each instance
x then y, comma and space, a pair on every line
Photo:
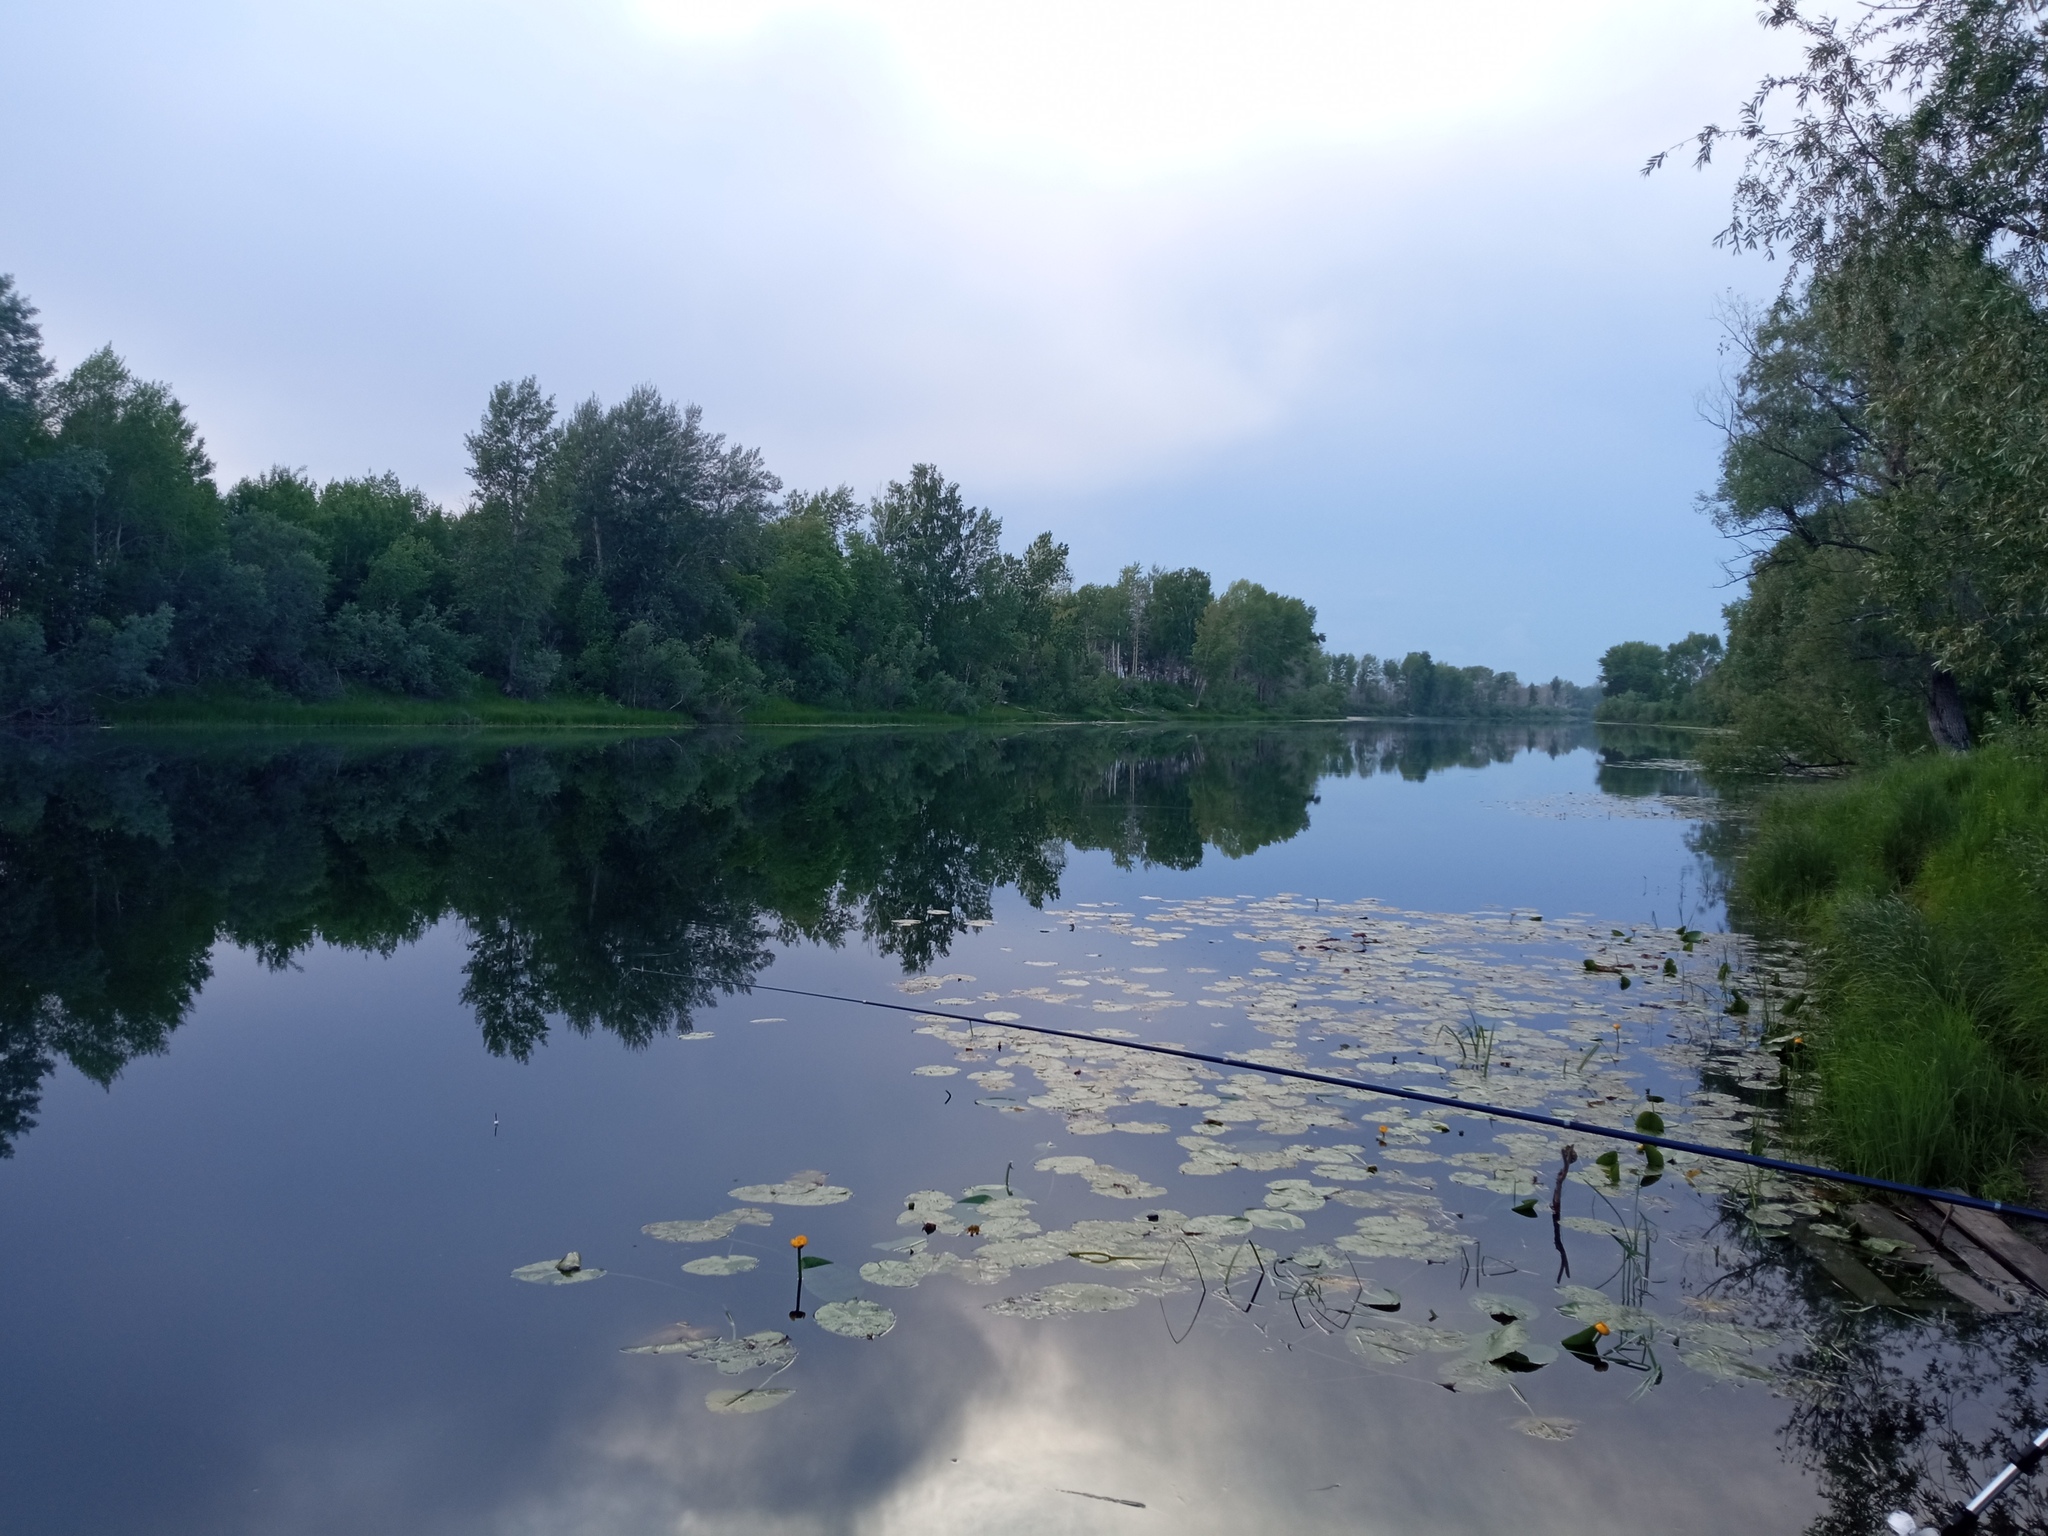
1362, 301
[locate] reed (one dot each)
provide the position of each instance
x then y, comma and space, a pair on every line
1922, 890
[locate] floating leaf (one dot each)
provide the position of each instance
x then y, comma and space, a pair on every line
748, 1400
856, 1319
1504, 1309
734, 1357
1547, 1429
1274, 1221
811, 1261
1397, 1237
1295, 1195
798, 1189
713, 1229
1650, 1123
1394, 1343
1070, 1296
1466, 1374
563, 1271
721, 1264
1510, 1347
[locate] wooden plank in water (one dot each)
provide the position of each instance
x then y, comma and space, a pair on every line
1847, 1270
1998, 1239
1958, 1245
1879, 1222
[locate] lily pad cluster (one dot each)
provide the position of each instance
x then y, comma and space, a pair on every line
1496, 1008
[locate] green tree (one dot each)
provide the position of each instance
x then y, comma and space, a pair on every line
1635, 668
1894, 403
514, 538
1173, 616
807, 595
1254, 638
943, 553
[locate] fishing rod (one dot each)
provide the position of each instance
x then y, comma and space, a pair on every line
1445, 1101
1971, 1513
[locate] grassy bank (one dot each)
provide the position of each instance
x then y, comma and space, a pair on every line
1923, 888
233, 707
485, 707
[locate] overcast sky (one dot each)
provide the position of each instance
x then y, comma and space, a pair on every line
1363, 301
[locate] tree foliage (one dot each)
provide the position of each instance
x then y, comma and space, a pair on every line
624, 550
1887, 428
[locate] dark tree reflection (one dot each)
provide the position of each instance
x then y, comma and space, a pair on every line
614, 886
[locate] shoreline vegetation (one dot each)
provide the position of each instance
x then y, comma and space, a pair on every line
484, 709
1886, 441
612, 562
1920, 893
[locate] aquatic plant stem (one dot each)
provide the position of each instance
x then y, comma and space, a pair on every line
1444, 1101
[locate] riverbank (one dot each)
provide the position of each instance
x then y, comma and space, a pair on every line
486, 708
1920, 889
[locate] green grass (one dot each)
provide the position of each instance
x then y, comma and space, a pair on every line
236, 707
1923, 889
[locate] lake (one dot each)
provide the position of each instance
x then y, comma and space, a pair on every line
403, 1135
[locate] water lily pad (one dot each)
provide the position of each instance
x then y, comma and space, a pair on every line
1397, 1237
721, 1264
711, 1230
905, 1273
747, 1400
1215, 1226
1394, 1343
569, 1270
1547, 1429
1469, 1375
934, 1071
805, 1188
1069, 1297
1512, 1349
1295, 1195
856, 1319
735, 1357
1274, 1221
1504, 1309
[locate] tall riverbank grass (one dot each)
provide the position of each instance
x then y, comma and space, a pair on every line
1921, 888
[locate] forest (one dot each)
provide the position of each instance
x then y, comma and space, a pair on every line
621, 552
1884, 447
1885, 423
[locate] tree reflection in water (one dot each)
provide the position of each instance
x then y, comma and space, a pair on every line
622, 885
616, 886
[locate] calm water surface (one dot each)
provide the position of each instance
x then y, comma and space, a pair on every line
309, 1047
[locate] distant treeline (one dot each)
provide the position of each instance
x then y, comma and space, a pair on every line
619, 551
1652, 684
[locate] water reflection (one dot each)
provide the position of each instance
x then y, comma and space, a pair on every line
619, 889
618, 886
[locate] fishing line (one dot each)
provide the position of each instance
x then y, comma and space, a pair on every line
1444, 1101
